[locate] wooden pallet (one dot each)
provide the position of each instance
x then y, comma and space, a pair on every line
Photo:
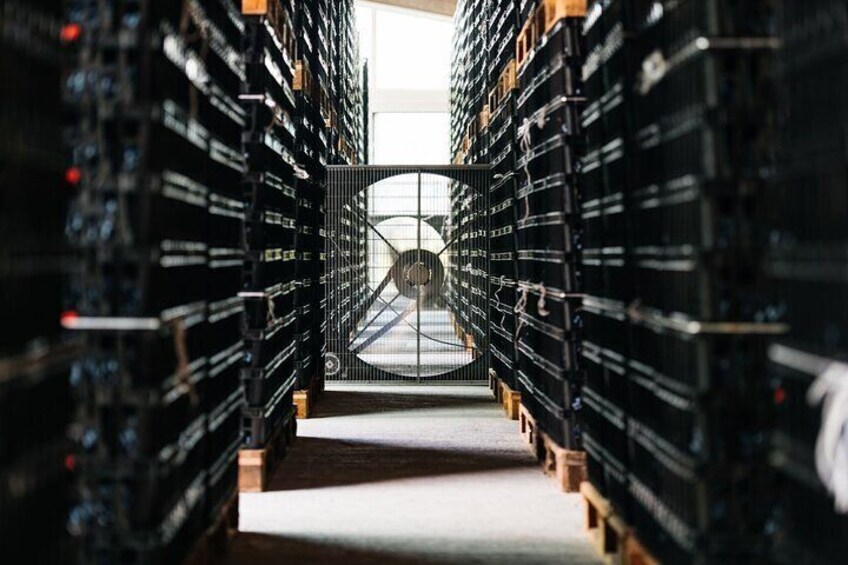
527, 426
485, 117
510, 400
541, 21
305, 400
277, 17
506, 84
614, 540
257, 466
213, 545
566, 466
304, 81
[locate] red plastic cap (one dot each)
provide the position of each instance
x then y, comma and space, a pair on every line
73, 176
70, 33
68, 318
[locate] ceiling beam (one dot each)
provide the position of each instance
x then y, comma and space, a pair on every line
442, 7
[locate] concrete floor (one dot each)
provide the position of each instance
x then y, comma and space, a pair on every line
410, 475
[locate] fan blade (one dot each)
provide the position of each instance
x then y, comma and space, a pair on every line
385, 329
395, 253
392, 248
374, 319
375, 295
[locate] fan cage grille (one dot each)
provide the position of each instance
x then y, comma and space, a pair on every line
406, 280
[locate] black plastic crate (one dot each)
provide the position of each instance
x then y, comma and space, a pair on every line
554, 68
263, 382
557, 417
259, 424
180, 537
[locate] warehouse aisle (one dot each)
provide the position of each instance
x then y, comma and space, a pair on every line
409, 475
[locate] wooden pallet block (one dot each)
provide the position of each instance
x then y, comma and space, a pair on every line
552, 11
567, 466
541, 21
485, 117
607, 530
213, 545
303, 80
277, 17
527, 426
614, 539
305, 400
470, 346
257, 466
510, 400
507, 82
493, 383
303, 403
457, 329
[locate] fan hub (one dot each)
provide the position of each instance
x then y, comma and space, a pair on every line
418, 274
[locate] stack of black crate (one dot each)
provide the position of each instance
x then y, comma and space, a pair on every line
158, 224
502, 151
459, 80
469, 80
269, 283
548, 102
605, 182
346, 89
680, 148
354, 116
224, 401
313, 111
806, 265
365, 113
359, 110
703, 144
467, 233
458, 120
346, 135
35, 358
336, 49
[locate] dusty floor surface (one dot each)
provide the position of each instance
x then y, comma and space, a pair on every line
410, 475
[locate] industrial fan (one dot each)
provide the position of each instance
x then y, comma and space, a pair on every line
400, 325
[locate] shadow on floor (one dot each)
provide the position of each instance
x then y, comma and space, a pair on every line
320, 462
335, 403
257, 549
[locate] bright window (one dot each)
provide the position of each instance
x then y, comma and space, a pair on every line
413, 52
365, 26
411, 139
409, 68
